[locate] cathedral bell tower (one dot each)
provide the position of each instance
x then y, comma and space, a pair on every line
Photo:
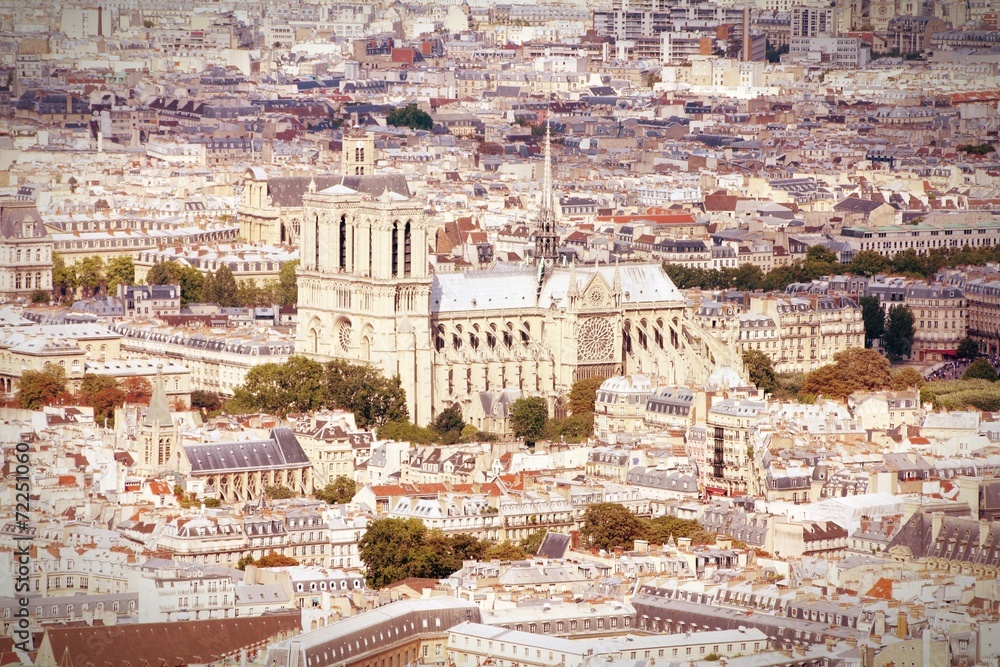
357, 153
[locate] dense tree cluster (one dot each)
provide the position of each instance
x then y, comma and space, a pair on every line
304, 385
394, 549
91, 276
222, 288
410, 116
610, 525
897, 341
820, 262
100, 392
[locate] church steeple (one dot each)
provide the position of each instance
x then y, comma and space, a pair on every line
546, 237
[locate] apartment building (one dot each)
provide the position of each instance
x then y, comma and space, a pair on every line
620, 407
983, 312
727, 455
219, 360
951, 232
25, 250
939, 318
811, 330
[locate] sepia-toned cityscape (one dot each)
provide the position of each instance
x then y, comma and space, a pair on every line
500, 333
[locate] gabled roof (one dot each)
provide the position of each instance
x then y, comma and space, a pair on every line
172, 644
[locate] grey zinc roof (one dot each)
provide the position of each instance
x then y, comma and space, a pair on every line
282, 450
554, 545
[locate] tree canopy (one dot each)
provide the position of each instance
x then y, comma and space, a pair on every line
449, 424
980, 369
528, 417
120, 271
410, 116
906, 378
189, 278
873, 314
341, 490
38, 388
304, 385
761, 370
394, 549
853, 370
967, 349
610, 525
104, 394
583, 395
899, 331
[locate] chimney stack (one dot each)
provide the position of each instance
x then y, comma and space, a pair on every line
937, 521
903, 625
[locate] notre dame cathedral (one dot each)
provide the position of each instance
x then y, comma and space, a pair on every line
368, 293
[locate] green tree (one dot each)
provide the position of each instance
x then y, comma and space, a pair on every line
404, 431
104, 394
855, 369
819, 253
575, 428
341, 490
533, 542
90, 275
899, 332
449, 424
288, 286
906, 378
410, 116
278, 492
38, 388
748, 277
121, 271
64, 280
662, 528
160, 274
190, 279
245, 560
391, 550
967, 349
374, 399
980, 369
583, 395
873, 314
610, 525
298, 385
773, 54
868, 263
761, 370
206, 401
226, 289
528, 417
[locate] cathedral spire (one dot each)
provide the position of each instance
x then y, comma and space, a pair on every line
159, 410
546, 237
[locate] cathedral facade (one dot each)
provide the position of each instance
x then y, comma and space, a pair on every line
368, 294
